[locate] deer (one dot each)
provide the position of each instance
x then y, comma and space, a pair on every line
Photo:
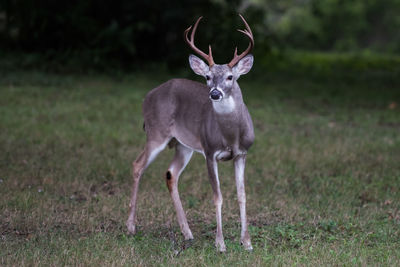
210, 119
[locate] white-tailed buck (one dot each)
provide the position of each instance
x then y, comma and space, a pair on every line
210, 119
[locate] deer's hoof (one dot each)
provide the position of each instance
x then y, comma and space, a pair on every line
248, 248
131, 227
220, 246
247, 245
188, 234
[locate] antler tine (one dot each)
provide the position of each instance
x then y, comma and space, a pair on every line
190, 42
247, 25
249, 34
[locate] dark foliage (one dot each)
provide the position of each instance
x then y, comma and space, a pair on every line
107, 34
127, 32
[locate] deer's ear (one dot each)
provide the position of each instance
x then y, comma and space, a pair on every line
198, 65
244, 65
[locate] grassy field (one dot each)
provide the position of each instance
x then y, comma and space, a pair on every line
323, 176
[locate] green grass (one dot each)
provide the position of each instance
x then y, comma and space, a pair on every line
322, 177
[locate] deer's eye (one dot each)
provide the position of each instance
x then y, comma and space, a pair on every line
208, 77
230, 77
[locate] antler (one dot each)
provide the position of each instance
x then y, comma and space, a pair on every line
190, 42
249, 34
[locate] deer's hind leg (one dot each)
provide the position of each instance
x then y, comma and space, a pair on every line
153, 147
182, 156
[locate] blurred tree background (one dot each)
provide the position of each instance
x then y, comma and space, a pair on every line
125, 34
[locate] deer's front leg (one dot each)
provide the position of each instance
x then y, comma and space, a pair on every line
240, 162
213, 175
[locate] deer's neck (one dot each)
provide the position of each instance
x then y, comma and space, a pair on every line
229, 116
229, 105
225, 106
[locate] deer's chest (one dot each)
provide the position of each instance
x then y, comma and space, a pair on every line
231, 137
228, 130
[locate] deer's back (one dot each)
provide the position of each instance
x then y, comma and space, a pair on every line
176, 104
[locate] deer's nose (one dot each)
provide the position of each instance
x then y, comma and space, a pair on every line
215, 94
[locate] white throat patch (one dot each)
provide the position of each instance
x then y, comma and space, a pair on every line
226, 105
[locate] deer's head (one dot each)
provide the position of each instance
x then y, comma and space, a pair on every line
220, 78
